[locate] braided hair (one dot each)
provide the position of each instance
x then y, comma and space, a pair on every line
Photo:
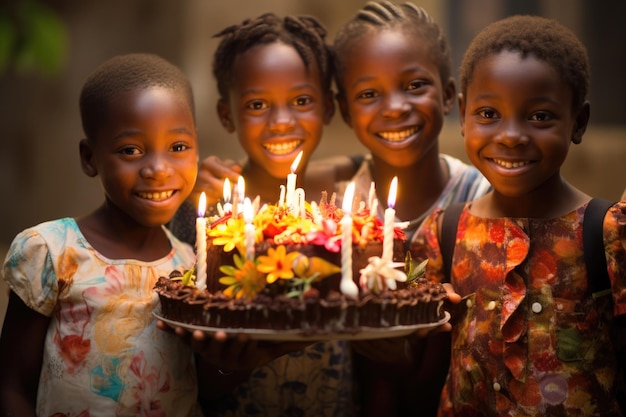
125, 73
304, 33
544, 38
378, 16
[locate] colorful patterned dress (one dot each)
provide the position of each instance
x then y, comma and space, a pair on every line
531, 339
103, 354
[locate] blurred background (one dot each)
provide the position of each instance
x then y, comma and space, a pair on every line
49, 47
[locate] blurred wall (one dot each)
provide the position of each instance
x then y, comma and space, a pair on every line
40, 175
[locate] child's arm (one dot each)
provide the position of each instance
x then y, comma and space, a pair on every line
21, 350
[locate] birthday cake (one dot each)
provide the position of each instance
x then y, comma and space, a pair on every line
308, 270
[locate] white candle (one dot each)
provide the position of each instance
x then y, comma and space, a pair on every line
241, 192
249, 232
226, 193
201, 244
299, 208
291, 181
372, 196
390, 219
347, 285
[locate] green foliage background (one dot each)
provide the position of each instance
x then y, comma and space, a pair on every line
33, 38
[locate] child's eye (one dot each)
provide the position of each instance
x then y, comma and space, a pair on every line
487, 114
415, 85
367, 94
256, 105
303, 100
129, 150
541, 117
179, 147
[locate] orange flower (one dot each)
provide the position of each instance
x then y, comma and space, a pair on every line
277, 264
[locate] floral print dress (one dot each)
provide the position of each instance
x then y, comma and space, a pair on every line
103, 355
530, 339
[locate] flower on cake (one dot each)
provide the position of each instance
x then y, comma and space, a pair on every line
243, 279
277, 263
380, 274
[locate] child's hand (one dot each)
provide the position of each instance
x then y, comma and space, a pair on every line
233, 353
211, 175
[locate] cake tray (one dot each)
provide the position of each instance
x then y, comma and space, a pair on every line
296, 335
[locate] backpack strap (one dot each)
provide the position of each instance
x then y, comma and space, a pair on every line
593, 244
447, 239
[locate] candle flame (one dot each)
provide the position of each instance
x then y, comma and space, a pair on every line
296, 162
247, 211
241, 187
202, 205
227, 190
348, 196
393, 189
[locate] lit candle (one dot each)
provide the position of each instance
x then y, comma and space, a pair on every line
291, 180
347, 285
241, 190
249, 232
201, 244
390, 219
226, 193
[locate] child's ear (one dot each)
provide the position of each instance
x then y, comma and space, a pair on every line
329, 108
86, 158
461, 100
343, 108
582, 120
226, 118
449, 91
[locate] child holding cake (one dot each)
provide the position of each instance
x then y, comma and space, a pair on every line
79, 337
274, 80
539, 334
395, 85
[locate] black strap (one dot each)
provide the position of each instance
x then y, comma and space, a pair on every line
447, 240
593, 244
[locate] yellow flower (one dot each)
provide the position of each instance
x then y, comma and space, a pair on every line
277, 264
243, 279
230, 234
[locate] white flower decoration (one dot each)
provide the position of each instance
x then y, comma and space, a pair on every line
380, 274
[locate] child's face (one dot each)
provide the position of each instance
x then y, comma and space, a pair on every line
394, 98
145, 154
276, 107
518, 122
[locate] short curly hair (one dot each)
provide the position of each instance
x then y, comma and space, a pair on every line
304, 33
124, 73
544, 38
376, 16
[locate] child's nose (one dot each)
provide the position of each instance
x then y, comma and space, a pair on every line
396, 106
281, 120
156, 167
513, 134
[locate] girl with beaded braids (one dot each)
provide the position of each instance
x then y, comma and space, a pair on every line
273, 76
274, 82
393, 74
541, 333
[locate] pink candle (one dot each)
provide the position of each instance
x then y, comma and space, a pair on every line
390, 219
347, 285
201, 253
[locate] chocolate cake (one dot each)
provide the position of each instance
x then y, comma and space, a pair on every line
293, 282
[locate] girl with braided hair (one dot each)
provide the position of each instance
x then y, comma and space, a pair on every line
274, 81
393, 74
